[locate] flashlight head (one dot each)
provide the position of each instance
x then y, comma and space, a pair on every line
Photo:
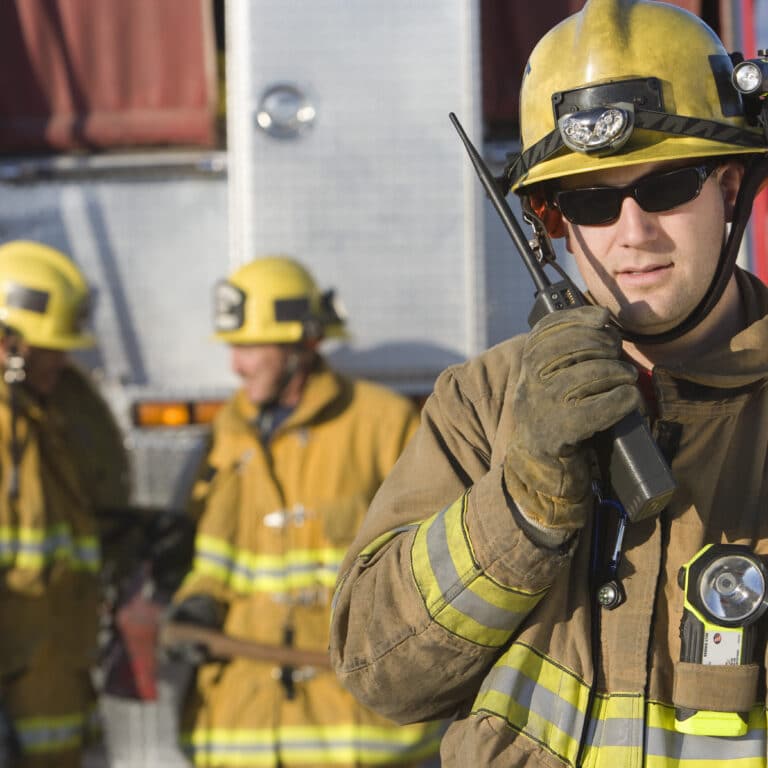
728, 585
750, 77
732, 588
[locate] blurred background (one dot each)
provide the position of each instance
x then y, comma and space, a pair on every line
162, 144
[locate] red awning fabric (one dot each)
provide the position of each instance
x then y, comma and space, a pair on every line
78, 74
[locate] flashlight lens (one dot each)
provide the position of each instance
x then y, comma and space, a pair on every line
747, 77
732, 587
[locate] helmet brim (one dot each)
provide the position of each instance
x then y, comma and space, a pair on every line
644, 147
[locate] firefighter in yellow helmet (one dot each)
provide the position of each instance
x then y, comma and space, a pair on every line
498, 575
297, 454
61, 456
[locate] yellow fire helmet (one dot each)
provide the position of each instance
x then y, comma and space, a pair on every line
624, 82
274, 300
43, 296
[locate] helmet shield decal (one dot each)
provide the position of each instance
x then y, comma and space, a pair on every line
228, 307
292, 310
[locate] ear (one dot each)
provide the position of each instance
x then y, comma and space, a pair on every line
729, 177
550, 217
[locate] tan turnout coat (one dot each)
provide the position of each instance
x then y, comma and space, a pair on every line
444, 606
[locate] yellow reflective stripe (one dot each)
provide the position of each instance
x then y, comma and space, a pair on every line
537, 697
249, 572
547, 702
748, 751
213, 557
50, 734
36, 548
327, 745
457, 593
380, 541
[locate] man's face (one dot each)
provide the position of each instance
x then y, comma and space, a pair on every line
43, 369
263, 369
652, 269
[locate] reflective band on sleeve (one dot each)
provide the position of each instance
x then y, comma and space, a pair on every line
547, 703
46, 735
380, 541
38, 548
457, 593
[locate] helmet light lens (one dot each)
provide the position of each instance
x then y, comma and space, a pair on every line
732, 587
748, 77
228, 307
602, 129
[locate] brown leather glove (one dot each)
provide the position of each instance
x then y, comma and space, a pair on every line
572, 385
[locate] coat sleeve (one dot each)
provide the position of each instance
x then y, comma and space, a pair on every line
440, 575
214, 504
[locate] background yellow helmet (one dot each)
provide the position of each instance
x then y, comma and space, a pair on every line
274, 300
43, 296
661, 64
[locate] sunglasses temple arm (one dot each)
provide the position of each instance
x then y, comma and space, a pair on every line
638, 472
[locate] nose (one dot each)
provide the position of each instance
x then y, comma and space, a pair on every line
635, 226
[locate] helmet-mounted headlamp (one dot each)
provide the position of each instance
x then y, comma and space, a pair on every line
598, 130
228, 307
601, 119
750, 79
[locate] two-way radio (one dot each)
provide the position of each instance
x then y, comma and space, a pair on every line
638, 473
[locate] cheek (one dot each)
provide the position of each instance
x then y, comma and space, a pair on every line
583, 244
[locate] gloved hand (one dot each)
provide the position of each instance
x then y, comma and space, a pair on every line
170, 538
203, 610
10, 746
571, 386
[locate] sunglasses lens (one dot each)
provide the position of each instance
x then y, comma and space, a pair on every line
590, 207
668, 190
593, 206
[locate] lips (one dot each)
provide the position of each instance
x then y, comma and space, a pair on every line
645, 276
643, 270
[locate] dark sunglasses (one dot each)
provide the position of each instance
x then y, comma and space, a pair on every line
656, 192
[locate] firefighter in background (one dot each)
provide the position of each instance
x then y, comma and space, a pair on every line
297, 454
490, 578
61, 457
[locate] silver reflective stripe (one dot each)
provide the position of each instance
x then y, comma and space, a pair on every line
455, 591
683, 746
535, 698
616, 732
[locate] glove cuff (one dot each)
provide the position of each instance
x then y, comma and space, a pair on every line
552, 494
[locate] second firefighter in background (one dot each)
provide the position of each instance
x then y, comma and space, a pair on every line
61, 460
297, 454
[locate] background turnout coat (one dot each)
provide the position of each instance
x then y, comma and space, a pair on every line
277, 521
70, 461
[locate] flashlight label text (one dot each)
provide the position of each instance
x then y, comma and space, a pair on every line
721, 647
